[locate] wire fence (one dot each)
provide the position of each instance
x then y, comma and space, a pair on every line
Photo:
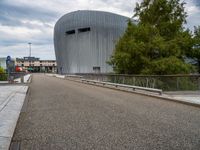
164, 82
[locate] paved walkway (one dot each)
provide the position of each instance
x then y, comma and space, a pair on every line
190, 96
63, 114
11, 101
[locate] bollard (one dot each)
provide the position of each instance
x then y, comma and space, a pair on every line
22, 79
11, 79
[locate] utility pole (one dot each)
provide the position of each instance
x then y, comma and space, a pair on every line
29, 49
29, 55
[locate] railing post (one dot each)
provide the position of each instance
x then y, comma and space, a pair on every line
147, 82
177, 84
153, 85
133, 80
22, 79
199, 81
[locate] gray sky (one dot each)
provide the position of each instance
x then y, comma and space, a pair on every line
23, 21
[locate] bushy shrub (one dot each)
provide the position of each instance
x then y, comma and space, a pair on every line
3, 75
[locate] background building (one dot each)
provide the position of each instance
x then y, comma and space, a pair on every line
34, 64
85, 40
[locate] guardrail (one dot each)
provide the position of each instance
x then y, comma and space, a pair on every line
164, 82
124, 86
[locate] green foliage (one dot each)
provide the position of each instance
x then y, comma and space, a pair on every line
2, 70
176, 84
157, 44
3, 76
168, 65
195, 52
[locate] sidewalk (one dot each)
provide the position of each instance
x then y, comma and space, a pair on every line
189, 96
11, 102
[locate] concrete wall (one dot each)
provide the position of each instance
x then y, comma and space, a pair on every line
81, 52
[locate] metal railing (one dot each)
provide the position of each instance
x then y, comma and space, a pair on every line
164, 82
123, 86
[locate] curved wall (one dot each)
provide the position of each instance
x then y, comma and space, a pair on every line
84, 41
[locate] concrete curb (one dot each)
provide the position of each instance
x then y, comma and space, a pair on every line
9, 116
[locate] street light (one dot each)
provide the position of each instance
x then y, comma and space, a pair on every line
29, 49
29, 59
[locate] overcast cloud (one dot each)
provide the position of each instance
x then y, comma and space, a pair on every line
23, 21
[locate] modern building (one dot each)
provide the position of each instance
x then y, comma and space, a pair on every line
85, 40
34, 64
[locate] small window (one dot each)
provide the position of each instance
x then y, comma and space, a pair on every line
97, 69
84, 29
70, 32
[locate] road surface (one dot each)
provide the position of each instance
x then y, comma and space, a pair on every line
62, 114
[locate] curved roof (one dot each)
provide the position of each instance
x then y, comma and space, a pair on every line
92, 18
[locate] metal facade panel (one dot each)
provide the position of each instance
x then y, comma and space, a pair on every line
80, 52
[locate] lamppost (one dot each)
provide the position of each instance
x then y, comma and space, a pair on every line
29, 49
29, 58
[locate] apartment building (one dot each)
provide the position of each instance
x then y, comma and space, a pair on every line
34, 64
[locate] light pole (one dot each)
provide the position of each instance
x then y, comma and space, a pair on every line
29, 59
29, 49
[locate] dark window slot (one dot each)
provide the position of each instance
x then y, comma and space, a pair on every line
84, 30
70, 32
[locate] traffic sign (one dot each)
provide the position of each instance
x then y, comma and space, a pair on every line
8, 58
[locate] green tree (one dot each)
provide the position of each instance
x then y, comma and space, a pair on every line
157, 44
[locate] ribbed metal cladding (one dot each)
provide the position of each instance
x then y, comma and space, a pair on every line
84, 40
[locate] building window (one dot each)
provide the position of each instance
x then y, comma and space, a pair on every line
84, 29
70, 32
97, 69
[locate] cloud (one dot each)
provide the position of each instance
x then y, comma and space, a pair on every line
11, 14
23, 21
21, 49
193, 10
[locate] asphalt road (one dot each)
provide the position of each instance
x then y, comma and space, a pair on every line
62, 114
